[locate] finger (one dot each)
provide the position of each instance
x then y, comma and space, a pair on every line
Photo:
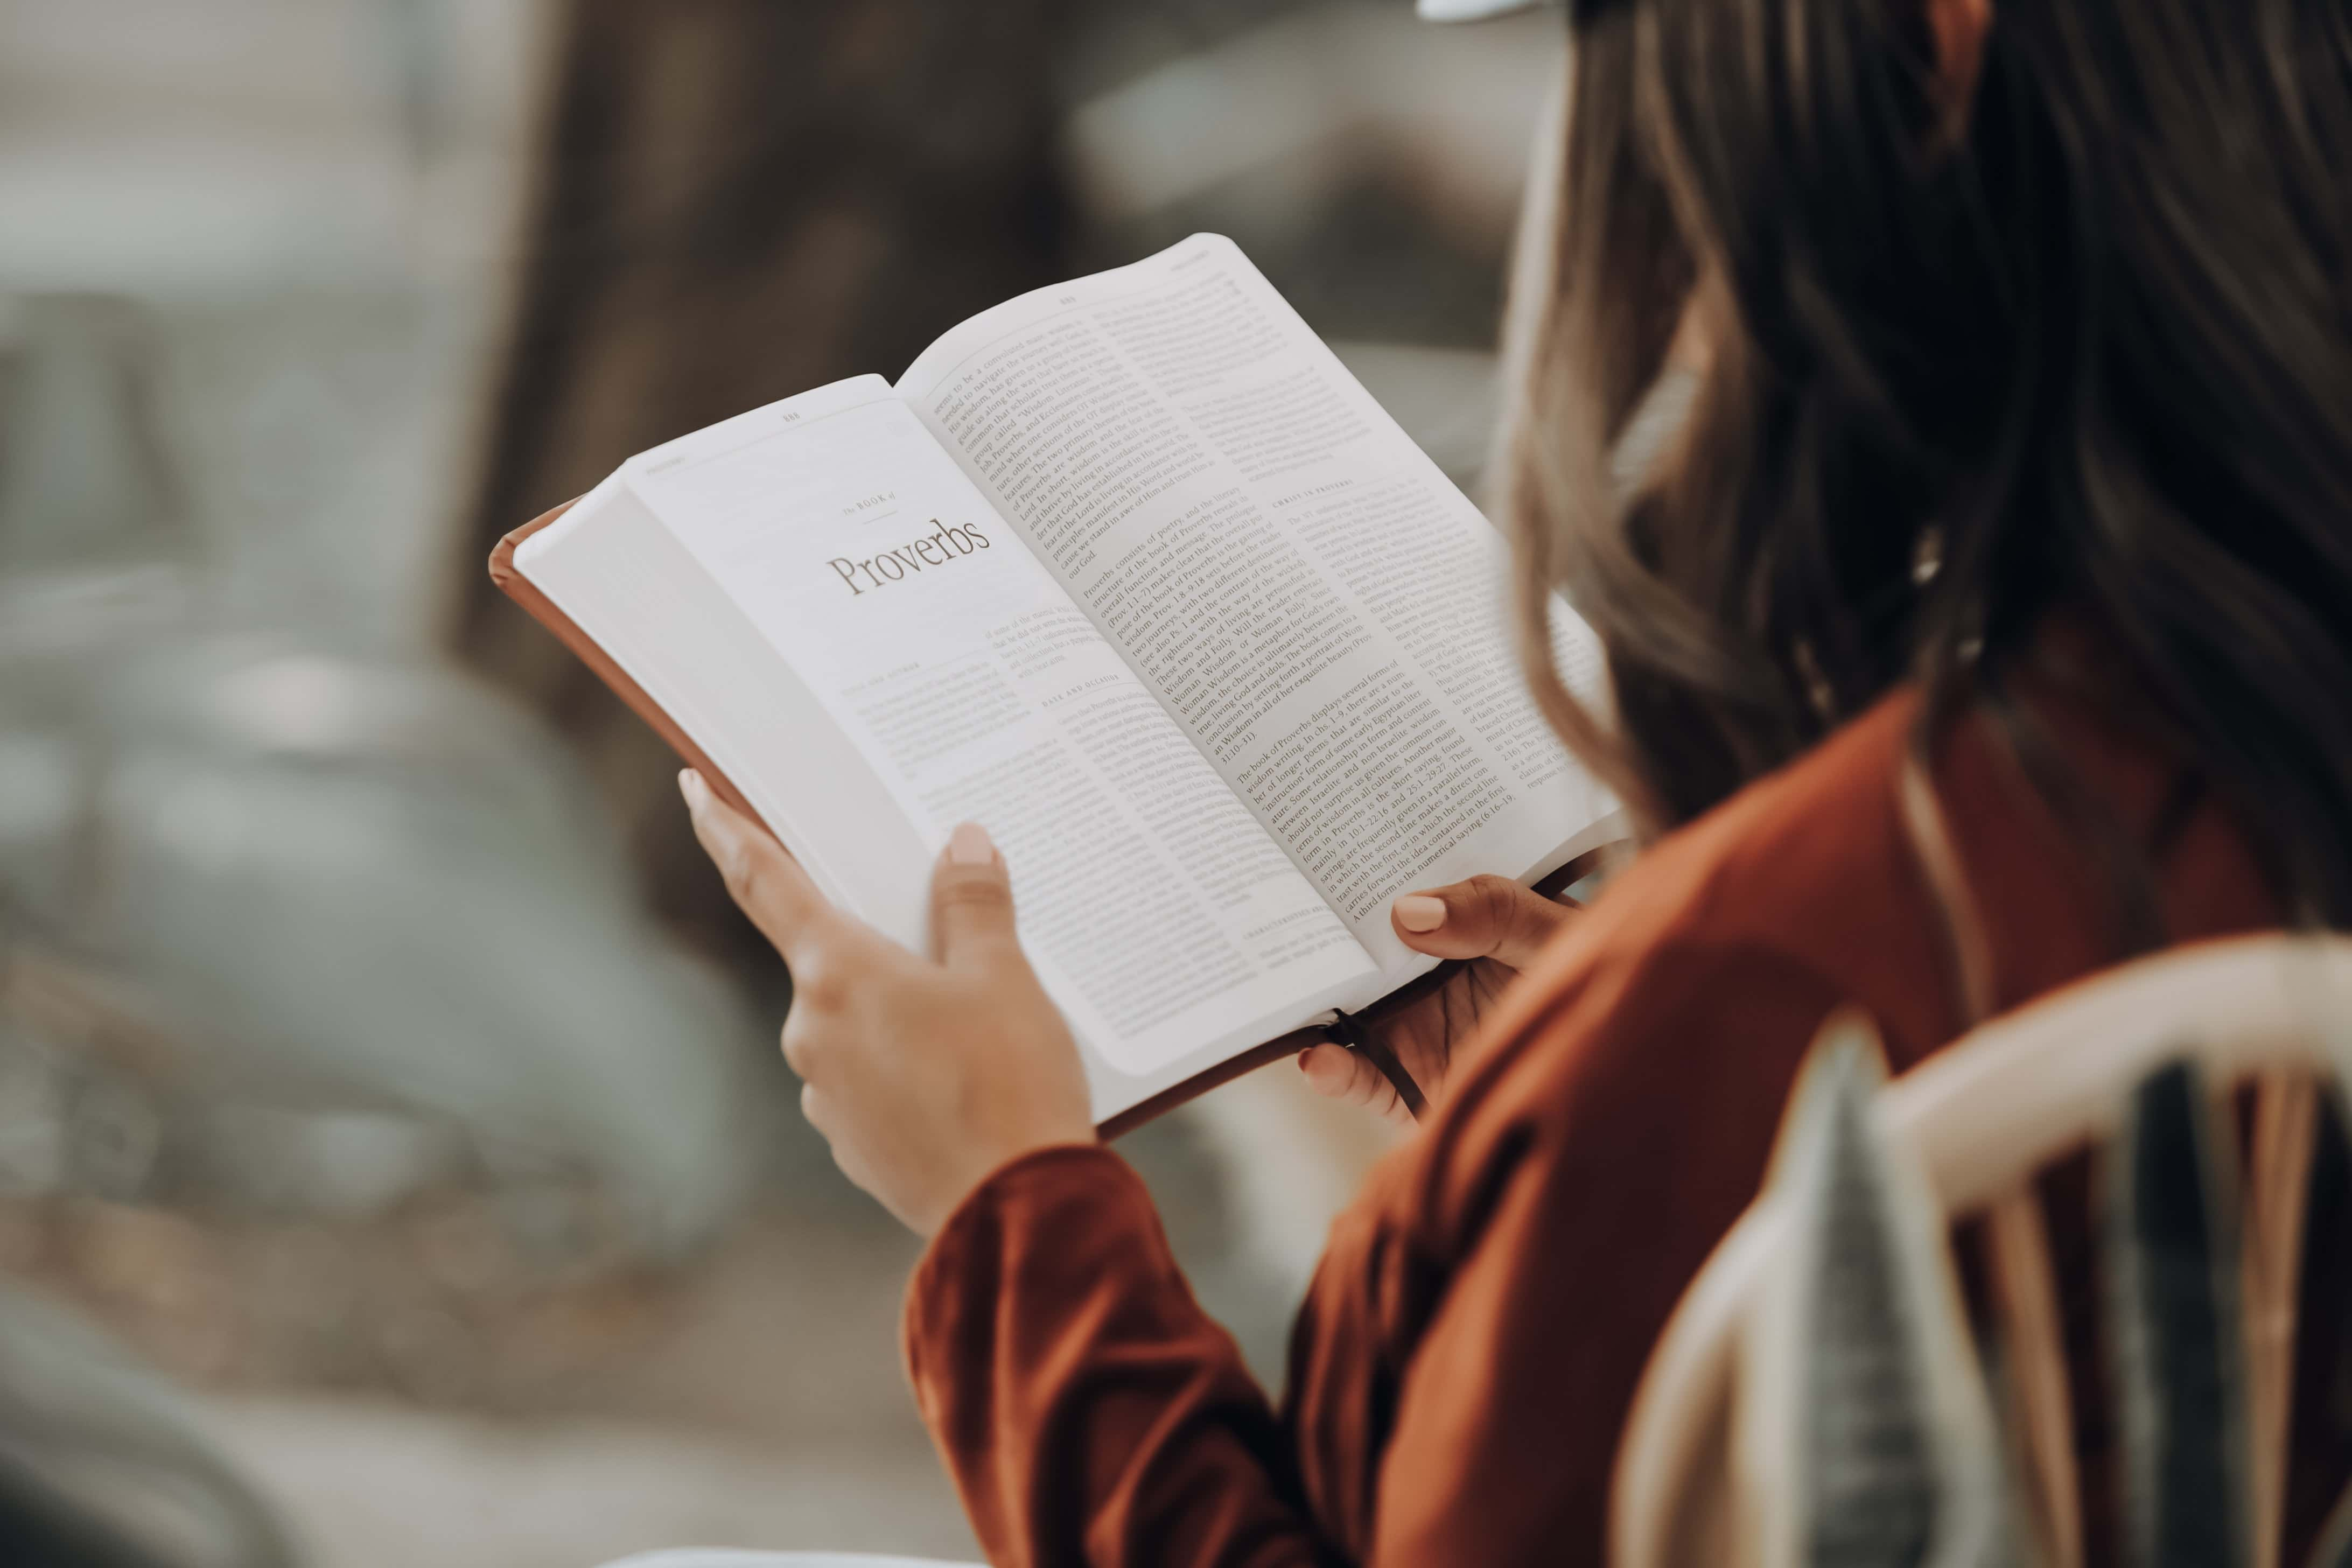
971, 901
1486, 917
1330, 1069
1338, 1073
800, 1039
817, 1109
766, 883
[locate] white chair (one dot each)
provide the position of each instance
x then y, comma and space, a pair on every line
1982, 1118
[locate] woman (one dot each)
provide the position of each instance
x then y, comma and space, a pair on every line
1990, 621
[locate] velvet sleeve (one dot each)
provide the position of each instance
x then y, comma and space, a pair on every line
1089, 1410
1488, 1310
1473, 1337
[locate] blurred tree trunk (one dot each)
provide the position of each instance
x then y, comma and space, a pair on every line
740, 200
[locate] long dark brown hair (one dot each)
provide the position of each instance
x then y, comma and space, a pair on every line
2082, 338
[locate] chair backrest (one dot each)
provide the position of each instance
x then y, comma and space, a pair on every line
1977, 1122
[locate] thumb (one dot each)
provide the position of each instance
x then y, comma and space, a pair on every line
1486, 917
971, 901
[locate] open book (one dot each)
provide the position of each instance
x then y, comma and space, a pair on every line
1134, 573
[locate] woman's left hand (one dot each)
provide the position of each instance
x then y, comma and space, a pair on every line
925, 1074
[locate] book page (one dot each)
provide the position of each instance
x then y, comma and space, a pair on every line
1305, 591
1167, 924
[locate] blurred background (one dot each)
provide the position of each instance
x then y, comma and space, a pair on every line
396, 1166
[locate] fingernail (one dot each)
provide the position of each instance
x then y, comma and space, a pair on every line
696, 792
1419, 911
968, 845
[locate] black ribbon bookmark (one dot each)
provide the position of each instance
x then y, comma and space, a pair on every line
1349, 1031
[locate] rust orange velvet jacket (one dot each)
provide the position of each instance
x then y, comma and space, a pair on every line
1475, 1333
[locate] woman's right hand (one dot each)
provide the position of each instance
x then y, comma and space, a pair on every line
1492, 921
